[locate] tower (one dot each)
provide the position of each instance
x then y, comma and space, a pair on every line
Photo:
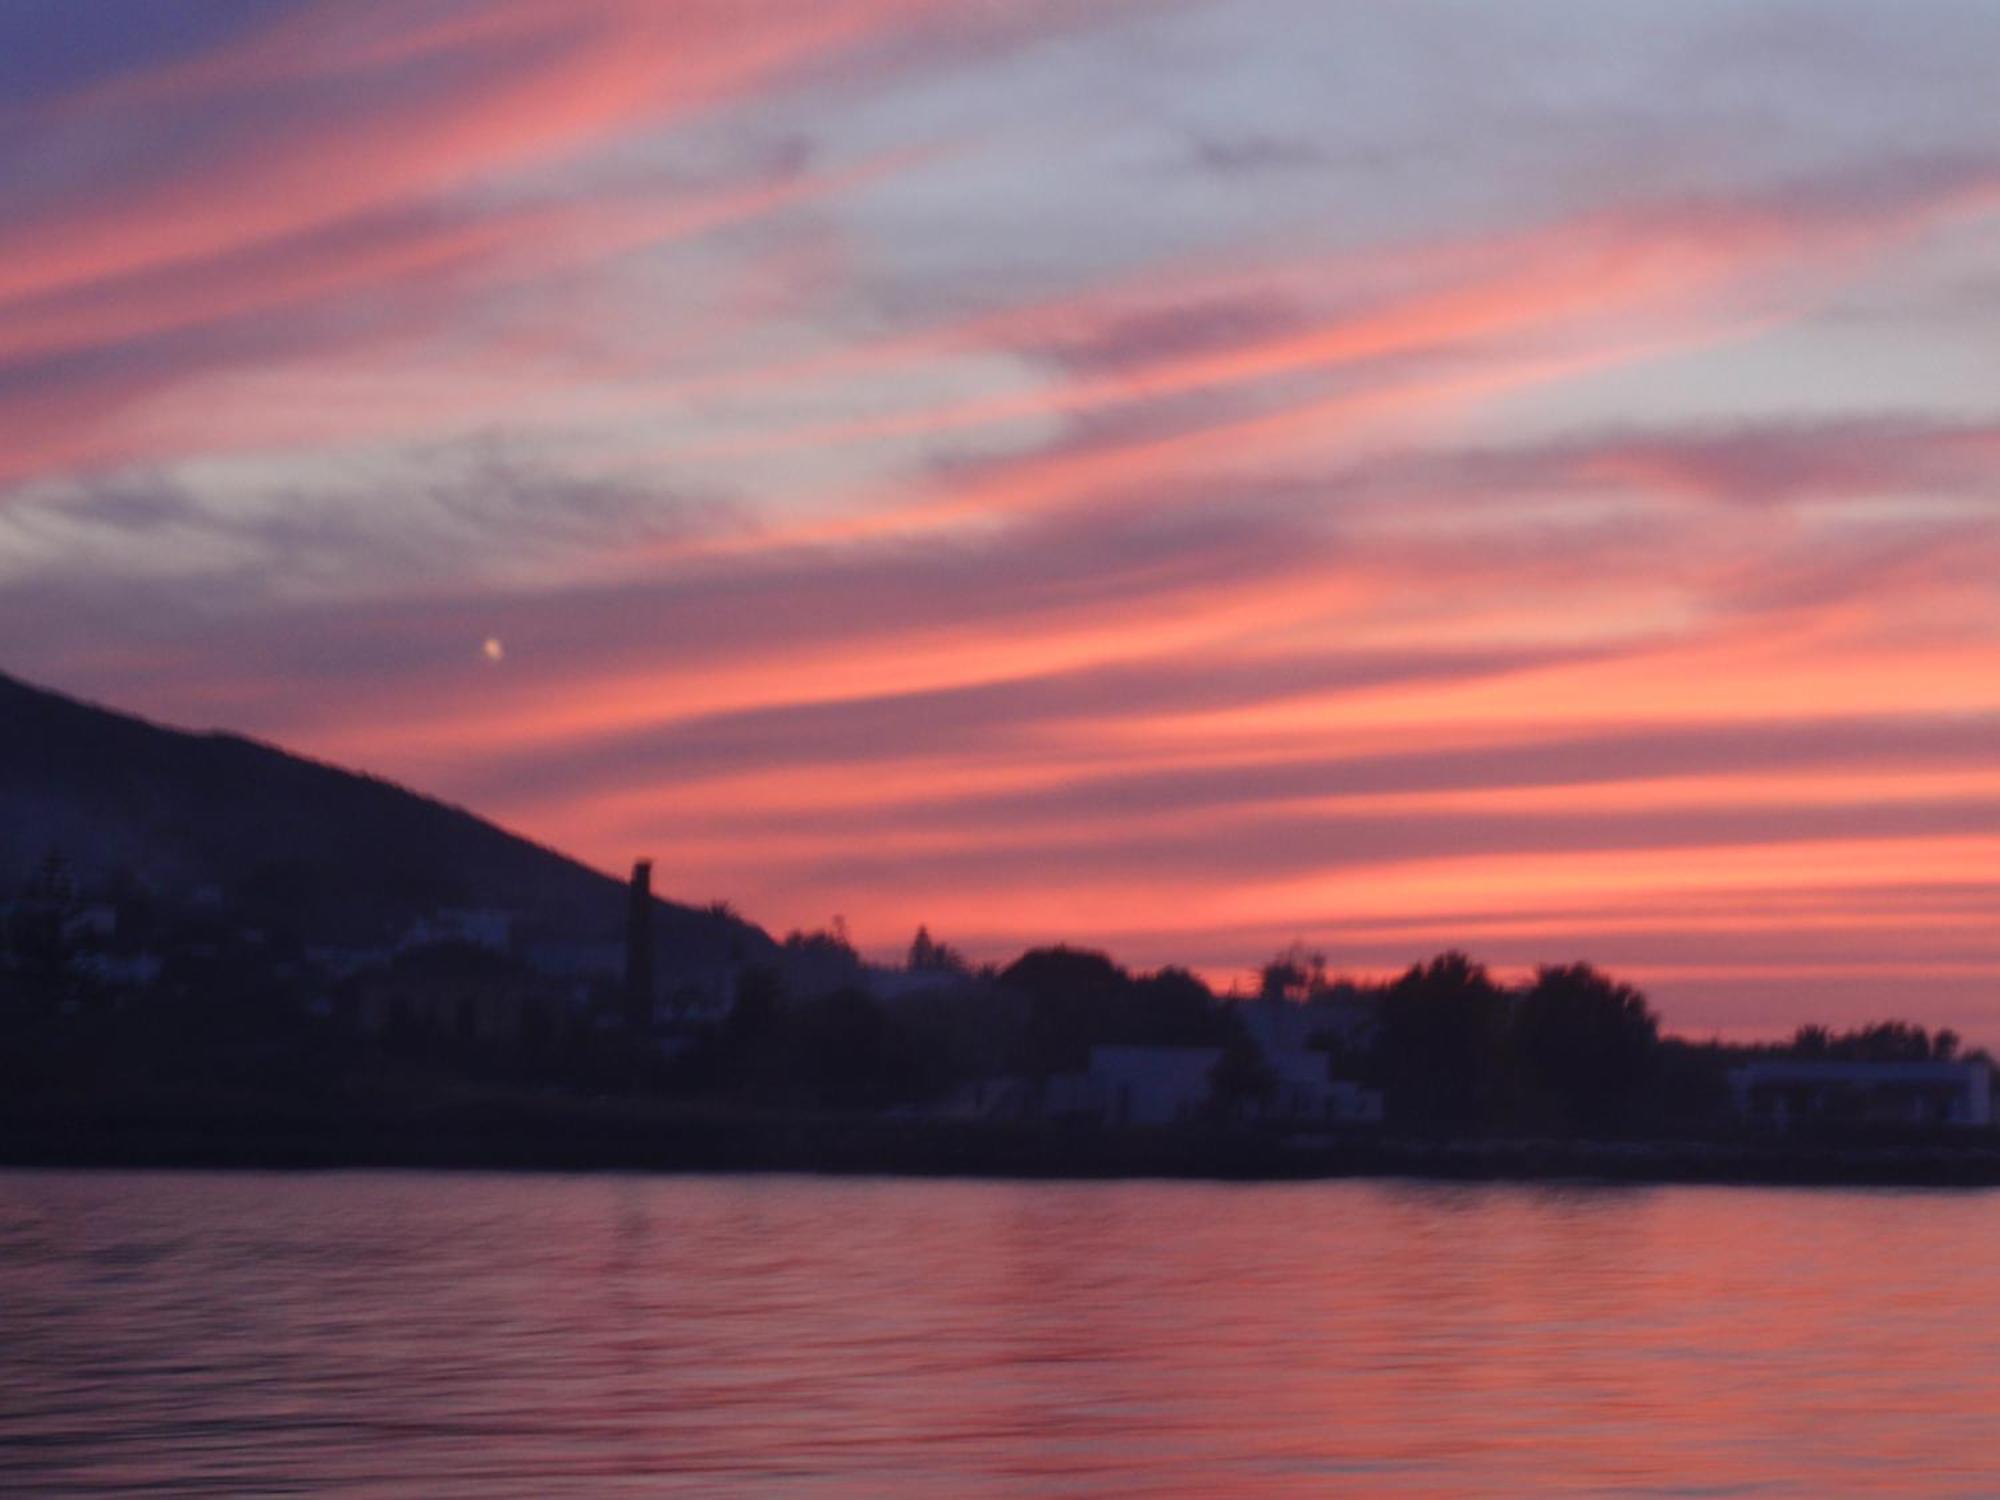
639, 949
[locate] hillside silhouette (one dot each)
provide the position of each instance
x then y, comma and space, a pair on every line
331, 855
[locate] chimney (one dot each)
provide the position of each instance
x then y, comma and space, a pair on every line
639, 949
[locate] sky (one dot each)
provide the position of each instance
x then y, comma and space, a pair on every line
1174, 477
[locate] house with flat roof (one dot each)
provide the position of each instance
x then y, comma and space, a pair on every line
1136, 1085
1784, 1091
1304, 1090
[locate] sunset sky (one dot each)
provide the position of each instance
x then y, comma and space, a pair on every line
1175, 477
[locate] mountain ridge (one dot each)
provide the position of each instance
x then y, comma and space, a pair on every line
336, 855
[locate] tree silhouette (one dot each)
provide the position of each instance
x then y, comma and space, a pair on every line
1586, 1046
1298, 973
927, 956
1882, 1041
1078, 999
1073, 1003
1440, 1051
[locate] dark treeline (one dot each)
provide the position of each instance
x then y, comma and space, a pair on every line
1885, 1041
1570, 1051
1451, 1047
1037, 1017
236, 1012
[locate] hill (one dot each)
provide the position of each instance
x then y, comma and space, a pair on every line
328, 854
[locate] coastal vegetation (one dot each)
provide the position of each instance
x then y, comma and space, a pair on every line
221, 951
241, 1024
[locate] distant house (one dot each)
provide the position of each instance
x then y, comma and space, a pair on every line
94, 923
1136, 1085
344, 963
1009, 1097
492, 930
580, 970
1157, 1085
460, 994
1306, 1091
1784, 1091
121, 970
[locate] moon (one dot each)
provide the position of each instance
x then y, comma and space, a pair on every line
492, 650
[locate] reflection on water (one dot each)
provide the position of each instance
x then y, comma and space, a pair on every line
434, 1335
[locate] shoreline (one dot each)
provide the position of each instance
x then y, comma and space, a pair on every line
585, 1139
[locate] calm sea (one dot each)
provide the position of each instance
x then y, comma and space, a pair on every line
496, 1335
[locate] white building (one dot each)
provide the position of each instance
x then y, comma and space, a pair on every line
122, 970
1307, 1091
492, 930
1913, 1093
344, 963
95, 923
1136, 1085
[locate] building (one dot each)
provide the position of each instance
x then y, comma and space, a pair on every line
1009, 1097
345, 963
95, 923
1136, 1085
467, 996
1784, 1091
127, 971
1305, 1092
491, 930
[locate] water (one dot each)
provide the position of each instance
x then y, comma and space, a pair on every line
461, 1334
